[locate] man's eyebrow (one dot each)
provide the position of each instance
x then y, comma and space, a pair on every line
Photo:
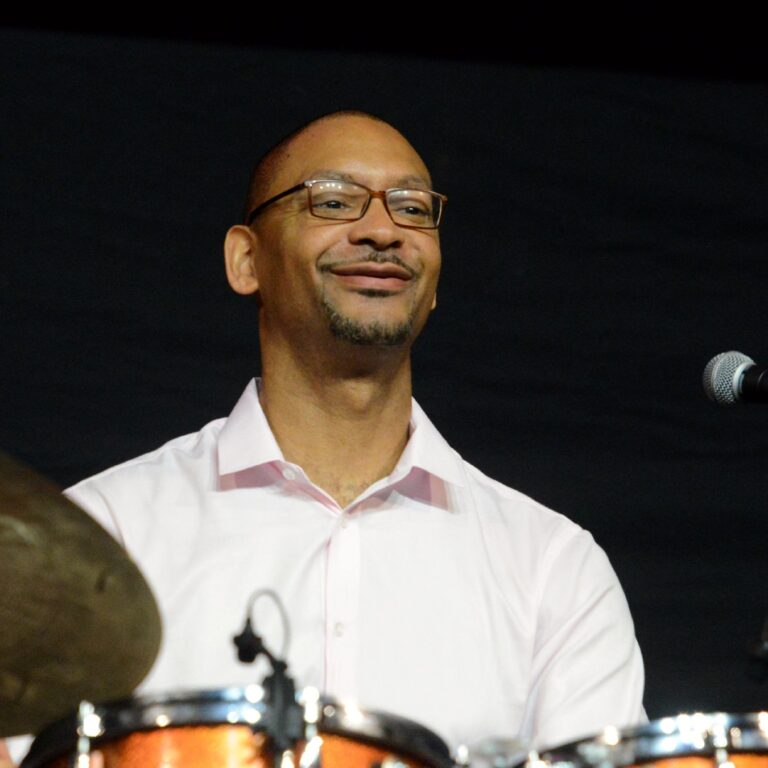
329, 173
414, 181
411, 180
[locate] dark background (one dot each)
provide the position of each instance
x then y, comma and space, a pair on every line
606, 235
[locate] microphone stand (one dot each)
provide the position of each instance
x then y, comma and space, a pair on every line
285, 717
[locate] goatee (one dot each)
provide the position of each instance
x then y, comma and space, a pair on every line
374, 333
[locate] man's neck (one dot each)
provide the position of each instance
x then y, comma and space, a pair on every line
345, 431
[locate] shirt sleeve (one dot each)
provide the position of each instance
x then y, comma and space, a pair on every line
97, 506
18, 746
587, 670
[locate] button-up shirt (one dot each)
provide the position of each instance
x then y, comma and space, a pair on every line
438, 594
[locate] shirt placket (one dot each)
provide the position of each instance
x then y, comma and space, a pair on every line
342, 625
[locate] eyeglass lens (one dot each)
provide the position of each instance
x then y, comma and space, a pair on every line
345, 200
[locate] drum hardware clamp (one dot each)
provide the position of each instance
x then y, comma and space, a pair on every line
88, 727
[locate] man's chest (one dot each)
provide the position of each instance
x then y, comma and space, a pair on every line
398, 607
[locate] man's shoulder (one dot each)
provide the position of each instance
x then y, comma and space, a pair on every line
490, 499
504, 506
194, 448
124, 498
509, 498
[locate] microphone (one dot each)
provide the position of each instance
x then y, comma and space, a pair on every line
248, 644
732, 377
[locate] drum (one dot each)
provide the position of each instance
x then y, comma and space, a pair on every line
227, 729
684, 741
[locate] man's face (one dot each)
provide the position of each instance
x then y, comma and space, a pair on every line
367, 281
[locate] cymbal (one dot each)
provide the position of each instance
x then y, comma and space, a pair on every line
77, 619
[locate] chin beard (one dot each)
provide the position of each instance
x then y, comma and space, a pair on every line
370, 334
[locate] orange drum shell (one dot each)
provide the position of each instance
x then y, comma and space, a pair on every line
739, 760
231, 746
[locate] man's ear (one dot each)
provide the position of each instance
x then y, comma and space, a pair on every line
434, 302
239, 252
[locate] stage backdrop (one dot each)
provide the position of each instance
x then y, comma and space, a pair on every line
606, 235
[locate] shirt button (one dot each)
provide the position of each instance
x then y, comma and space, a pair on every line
338, 629
289, 474
344, 521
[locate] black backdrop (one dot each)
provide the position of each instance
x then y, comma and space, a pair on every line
606, 235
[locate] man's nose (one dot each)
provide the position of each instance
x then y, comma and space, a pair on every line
376, 228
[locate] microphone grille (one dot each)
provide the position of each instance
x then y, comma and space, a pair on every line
719, 376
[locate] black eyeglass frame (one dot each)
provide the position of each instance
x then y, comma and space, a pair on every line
381, 195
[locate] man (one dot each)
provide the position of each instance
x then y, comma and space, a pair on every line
413, 583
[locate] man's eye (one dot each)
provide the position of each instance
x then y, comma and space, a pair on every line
331, 203
410, 204
412, 209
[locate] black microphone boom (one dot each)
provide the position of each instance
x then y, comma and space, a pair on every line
732, 377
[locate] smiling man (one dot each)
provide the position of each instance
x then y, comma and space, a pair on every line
414, 583
345, 277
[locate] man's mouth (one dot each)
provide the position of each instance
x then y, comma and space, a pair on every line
370, 275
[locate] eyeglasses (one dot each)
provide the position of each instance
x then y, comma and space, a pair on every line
347, 201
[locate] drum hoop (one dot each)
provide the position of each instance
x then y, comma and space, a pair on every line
384, 729
237, 707
678, 736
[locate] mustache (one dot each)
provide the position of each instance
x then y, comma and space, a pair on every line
374, 257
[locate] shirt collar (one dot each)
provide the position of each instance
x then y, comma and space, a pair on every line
428, 450
246, 440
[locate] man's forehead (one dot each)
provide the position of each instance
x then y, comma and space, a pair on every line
353, 149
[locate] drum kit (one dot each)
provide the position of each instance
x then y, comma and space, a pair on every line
69, 597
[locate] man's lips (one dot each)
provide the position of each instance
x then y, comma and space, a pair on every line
372, 275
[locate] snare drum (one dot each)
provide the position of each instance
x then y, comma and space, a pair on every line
227, 729
684, 741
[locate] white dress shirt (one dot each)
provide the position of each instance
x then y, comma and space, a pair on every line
438, 594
